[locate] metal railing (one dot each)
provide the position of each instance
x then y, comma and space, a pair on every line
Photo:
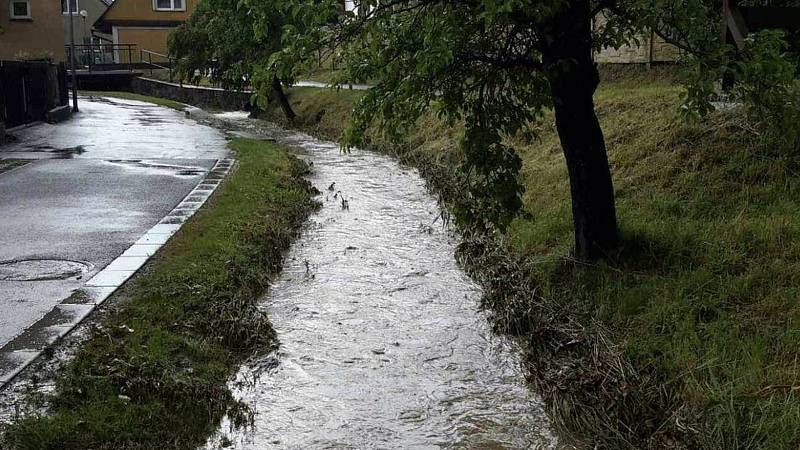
102, 56
146, 57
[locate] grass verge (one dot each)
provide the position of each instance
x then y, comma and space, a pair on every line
153, 374
689, 338
10, 164
138, 97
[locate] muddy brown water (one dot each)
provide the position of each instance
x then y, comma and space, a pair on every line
382, 343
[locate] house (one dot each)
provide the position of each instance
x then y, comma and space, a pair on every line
145, 24
27, 28
84, 14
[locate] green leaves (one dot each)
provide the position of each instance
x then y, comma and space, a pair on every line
766, 82
231, 42
474, 62
762, 78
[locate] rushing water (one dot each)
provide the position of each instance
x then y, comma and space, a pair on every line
382, 344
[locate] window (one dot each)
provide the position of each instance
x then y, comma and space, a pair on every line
169, 5
20, 9
72, 4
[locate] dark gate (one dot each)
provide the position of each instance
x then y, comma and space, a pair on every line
739, 21
29, 89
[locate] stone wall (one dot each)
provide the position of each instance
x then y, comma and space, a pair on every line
639, 54
200, 96
29, 89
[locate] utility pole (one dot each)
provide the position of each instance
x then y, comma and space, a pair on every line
72, 56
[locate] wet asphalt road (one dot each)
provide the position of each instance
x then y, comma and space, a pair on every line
95, 185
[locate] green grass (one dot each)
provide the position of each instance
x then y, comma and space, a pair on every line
164, 75
10, 164
695, 326
153, 374
138, 97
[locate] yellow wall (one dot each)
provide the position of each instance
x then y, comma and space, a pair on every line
143, 10
152, 39
42, 36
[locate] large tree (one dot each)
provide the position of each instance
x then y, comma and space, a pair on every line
496, 64
230, 43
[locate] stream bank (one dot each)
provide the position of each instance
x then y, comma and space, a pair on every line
151, 371
686, 339
593, 395
382, 344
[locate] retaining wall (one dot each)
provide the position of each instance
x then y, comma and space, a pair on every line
201, 96
29, 89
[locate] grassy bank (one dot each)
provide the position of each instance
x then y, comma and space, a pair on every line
138, 97
689, 338
153, 374
10, 164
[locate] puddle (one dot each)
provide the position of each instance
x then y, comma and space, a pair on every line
153, 167
382, 344
42, 269
60, 153
135, 105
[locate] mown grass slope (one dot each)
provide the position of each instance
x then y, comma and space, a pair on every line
702, 302
153, 374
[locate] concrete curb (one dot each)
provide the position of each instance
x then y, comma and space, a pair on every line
21, 351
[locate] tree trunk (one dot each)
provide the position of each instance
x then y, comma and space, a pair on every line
573, 80
277, 89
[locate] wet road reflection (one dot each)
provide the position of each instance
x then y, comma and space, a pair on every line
382, 343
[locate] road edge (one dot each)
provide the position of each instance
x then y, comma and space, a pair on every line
25, 348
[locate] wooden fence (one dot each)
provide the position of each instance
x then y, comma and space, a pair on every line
29, 89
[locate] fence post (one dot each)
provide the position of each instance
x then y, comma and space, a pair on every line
2, 115
2, 108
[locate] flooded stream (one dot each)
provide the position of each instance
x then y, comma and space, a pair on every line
382, 344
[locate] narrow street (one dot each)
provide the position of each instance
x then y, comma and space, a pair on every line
92, 188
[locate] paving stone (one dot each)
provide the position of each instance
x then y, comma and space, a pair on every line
12, 362
164, 229
174, 220
142, 250
110, 278
89, 295
154, 238
36, 338
127, 263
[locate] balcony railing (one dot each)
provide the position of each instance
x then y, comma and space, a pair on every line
156, 61
102, 56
